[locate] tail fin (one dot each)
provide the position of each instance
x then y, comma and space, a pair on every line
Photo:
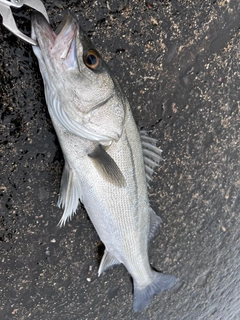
160, 283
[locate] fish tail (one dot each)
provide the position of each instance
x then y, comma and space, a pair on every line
160, 283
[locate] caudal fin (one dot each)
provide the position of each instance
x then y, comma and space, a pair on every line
160, 283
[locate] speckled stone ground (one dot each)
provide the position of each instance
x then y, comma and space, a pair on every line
178, 63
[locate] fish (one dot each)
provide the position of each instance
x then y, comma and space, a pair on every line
108, 161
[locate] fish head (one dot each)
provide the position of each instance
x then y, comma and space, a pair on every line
76, 76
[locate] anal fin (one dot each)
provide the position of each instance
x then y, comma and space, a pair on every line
107, 261
70, 193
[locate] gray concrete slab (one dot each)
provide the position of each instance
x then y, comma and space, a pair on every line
178, 63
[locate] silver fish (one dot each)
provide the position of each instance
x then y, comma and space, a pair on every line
107, 163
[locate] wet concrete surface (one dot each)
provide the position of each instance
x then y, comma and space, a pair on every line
178, 63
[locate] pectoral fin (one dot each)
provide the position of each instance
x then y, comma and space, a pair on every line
107, 167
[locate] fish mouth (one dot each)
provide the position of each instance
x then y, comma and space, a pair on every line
59, 45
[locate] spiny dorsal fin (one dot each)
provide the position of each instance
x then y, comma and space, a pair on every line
151, 154
107, 167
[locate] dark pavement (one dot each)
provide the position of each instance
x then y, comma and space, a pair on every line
179, 64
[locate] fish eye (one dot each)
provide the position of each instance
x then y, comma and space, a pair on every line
92, 59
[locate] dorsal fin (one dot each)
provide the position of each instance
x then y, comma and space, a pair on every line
151, 154
155, 222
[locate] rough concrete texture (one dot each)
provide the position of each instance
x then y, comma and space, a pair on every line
178, 62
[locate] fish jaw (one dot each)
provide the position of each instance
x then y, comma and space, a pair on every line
59, 46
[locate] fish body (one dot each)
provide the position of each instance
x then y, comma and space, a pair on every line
104, 163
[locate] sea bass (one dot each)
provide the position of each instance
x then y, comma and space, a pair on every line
107, 162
